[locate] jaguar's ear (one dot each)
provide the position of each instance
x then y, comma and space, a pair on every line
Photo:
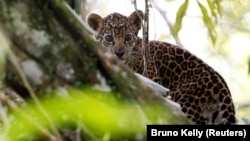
95, 21
135, 20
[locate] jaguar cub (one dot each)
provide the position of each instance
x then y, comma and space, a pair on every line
202, 93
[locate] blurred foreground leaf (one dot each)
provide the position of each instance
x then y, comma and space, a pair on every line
99, 112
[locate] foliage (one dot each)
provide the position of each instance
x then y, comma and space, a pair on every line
179, 16
84, 107
213, 9
207, 20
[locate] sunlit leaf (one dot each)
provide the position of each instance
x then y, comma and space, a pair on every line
212, 7
179, 16
98, 111
208, 22
218, 5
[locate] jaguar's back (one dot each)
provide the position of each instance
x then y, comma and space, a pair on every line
201, 91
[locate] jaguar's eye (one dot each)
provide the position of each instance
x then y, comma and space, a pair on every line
128, 37
109, 38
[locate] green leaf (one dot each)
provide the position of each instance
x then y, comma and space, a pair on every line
218, 5
96, 111
212, 7
179, 16
208, 22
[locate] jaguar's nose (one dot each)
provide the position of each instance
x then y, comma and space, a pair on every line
119, 53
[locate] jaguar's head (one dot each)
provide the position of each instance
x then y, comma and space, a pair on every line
117, 33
